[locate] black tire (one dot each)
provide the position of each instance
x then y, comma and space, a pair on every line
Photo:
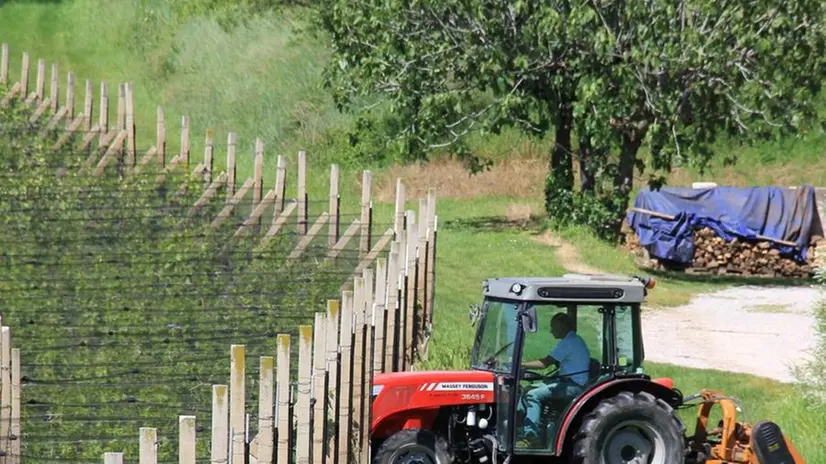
413, 446
630, 426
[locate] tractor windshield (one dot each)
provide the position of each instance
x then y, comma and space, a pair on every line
496, 335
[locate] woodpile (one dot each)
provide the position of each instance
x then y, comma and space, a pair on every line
738, 256
714, 255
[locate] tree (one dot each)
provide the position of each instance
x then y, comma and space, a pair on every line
616, 76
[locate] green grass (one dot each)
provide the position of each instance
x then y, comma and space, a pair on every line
261, 79
760, 399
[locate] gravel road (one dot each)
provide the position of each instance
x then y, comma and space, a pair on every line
762, 331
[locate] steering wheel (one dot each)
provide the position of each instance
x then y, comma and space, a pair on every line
532, 376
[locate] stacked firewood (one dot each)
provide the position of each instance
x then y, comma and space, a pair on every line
714, 255
746, 257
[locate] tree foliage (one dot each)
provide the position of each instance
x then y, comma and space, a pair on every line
605, 78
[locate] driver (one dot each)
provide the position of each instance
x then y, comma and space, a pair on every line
572, 358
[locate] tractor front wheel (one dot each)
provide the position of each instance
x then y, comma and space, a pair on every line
413, 446
630, 428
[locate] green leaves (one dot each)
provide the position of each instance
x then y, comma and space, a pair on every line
675, 75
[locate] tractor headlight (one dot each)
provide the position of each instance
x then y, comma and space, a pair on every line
516, 288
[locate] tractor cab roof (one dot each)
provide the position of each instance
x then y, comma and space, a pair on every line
592, 288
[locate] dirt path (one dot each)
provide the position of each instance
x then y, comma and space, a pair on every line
568, 254
761, 331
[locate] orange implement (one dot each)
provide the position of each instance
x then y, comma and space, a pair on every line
732, 442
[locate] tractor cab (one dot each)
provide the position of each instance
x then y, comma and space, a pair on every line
551, 341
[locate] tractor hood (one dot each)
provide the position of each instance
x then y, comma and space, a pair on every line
409, 399
434, 380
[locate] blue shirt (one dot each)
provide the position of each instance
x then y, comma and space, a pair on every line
572, 354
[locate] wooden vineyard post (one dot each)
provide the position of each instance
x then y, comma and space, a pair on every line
400, 328
112, 458
220, 424
16, 410
42, 102
237, 394
400, 302
208, 158
280, 188
366, 189
409, 283
398, 224
430, 273
185, 142
161, 138
230, 166
266, 421
54, 88
121, 120
283, 381
367, 364
186, 439
345, 389
335, 202
70, 101
40, 88
332, 367
4, 64
24, 76
318, 378
304, 389
391, 332
103, 121
302, 193
131, 147
380, 317
258, 188
421, 263
5, 391
358, 361
88, 105
148, 446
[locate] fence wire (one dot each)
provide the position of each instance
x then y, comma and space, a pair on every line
124, 302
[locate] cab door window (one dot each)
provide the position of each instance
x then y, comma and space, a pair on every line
559, 362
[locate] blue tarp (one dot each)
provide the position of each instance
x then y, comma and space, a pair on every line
732, 212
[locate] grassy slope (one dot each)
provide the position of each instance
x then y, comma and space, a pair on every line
258, 80
263, 80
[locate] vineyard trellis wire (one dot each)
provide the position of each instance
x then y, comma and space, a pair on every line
127, 277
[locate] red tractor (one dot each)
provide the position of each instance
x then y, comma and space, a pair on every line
557, 376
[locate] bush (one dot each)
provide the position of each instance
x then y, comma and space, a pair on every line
567, 207
812, 374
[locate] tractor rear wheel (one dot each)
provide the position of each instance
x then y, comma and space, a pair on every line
630, 428
413, 446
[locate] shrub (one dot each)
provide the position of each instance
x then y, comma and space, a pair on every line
812, 374
569, 207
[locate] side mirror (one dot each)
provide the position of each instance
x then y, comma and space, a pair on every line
529, 319
474, 314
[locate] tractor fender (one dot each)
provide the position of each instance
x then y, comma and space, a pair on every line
422, 419
660, 388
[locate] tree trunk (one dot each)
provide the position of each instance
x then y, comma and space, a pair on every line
586, 168
561, 159
624, 180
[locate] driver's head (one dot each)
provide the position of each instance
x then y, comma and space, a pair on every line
561, 324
